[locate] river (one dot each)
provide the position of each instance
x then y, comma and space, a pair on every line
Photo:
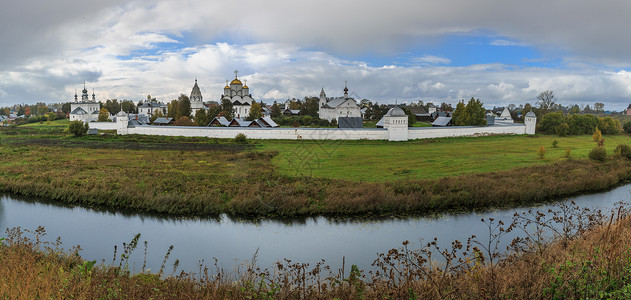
234, 241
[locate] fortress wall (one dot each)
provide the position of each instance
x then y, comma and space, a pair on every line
439, 132
316, 133
264, 133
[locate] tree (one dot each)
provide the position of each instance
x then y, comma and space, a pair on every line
156, 114
294, 104
446, 107
599, 107
173, 109
201, 118
112, 106
255, 112
128, 106
104, 115
78, 128
51, 116
65, 107
226, 109
27, 111
551, 121
575, 109
458, 116
275, 113
475, 114
411, 116
545, 101
184, 106
184, 121
310, 106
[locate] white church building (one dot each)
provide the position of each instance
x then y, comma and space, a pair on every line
85, 110
333, 108
239, 94
196, 99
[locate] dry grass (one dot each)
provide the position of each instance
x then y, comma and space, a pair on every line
588, 256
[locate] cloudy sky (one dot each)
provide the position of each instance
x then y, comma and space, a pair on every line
399, 50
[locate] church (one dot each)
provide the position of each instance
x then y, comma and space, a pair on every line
334, 108
196, 99
85, 110
238, 94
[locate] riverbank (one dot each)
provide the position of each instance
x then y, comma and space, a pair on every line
586, 256
206, 177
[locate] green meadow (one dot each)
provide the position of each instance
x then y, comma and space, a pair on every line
376, 161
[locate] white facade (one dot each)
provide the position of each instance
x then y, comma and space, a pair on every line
85, 110
333, 108
239, 95
396, 122
150, 107
504, 118
196, 99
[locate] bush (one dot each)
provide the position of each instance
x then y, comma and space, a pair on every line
623, 151
78, 128
555, 143
568, 153
541, 152
597, 136
599, 153
240, 139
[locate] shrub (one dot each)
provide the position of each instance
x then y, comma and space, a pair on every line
597, 136
240, 139
627, 127
78, 128
568, 153
541, 152
555, 143
599, 153
623, 151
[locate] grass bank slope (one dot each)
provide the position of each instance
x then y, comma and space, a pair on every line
209, 182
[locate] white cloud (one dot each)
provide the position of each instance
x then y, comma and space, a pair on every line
117, 47
506, 43
430, 60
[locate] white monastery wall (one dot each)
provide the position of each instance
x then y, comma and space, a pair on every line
454, 131
103, 125
392, 133
264, 133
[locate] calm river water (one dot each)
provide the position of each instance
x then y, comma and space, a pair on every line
234, 241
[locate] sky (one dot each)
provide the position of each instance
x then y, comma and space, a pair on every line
502, 52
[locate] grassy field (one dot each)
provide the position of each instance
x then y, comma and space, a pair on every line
201, 176
375, 161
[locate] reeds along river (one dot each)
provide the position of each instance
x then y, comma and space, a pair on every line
233, 242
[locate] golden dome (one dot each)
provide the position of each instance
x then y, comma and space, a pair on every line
236, 81
245, 87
